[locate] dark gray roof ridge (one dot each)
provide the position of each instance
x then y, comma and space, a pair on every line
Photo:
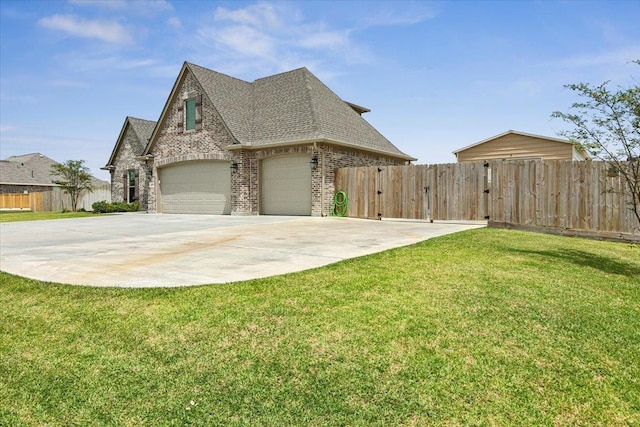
295, 70
209, 70
228, 96
30, 169
284, 108
23, 157
143, 129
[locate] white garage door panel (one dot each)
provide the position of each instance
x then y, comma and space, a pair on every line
196, 187
286, 186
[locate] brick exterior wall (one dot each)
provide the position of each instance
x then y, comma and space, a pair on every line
332, 158
245, 183
172, 146
124, 161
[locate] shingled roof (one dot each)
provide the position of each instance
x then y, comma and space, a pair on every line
286, 108
31, 169
143, 129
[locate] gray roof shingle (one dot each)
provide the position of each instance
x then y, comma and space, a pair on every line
30, 169
143, 130
289, 107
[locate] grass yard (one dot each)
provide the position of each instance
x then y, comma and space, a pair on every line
484, 327
11, 216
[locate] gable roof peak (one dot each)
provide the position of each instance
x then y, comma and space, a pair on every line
303, 70
141, 128
196, 67
283, 108
511, 132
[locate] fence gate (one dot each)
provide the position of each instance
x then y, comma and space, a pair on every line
453, 191
556, 194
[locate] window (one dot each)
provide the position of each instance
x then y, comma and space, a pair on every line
131, 186
190, 113
190, 121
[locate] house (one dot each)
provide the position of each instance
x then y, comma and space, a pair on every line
513, 145
226, 146
30, 173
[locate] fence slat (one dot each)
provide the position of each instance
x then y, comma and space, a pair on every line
54, 200
558, 194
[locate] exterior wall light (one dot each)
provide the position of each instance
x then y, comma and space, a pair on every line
234, 167
314, 163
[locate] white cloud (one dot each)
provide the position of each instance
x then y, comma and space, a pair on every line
174, 22
611, 57
243, 40
128, 64
97, 60
22, 99
259, 15
267, 38
142, 7
68, 83
107, 4
407, 15
108, 31
326, 39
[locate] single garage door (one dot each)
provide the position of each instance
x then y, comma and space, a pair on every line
286, 185
198, 187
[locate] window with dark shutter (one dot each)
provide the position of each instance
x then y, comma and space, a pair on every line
190, 106
137, 186
125, 187
180, 119
198, 115
132, 185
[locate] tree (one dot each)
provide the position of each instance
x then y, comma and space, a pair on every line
607, 125
75, 178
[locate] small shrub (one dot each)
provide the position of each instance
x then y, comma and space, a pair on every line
100, 207
105, 207
120, 207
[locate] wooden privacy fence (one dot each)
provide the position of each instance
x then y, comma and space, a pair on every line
550, 194
53, 201
31, 201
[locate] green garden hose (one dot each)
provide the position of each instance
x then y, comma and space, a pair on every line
340, 204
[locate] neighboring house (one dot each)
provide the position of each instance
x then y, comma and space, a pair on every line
227, 146
513, 145
30, 173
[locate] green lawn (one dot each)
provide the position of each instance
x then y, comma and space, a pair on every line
484, 327
11, 216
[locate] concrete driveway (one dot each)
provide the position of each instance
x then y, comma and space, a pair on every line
147, 250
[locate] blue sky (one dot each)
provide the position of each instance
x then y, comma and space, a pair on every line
437, 75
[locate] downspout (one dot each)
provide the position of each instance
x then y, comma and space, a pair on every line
322, 172
158, 197
322, 195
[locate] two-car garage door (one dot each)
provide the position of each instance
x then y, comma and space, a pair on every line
197, 187
204, 187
